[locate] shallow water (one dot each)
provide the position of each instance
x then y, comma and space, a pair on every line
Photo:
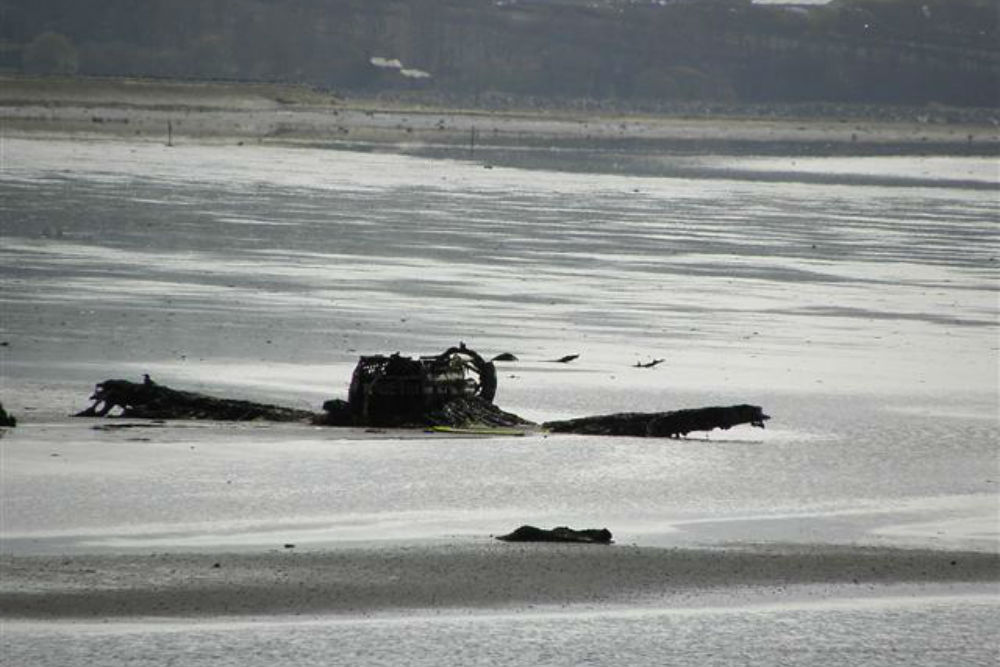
168, 257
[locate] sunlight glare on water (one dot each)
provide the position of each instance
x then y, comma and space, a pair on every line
350, 253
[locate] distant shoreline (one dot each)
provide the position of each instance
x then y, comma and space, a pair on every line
165, 111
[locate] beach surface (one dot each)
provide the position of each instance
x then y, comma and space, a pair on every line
841, 274
469, 575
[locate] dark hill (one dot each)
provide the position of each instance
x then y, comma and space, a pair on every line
732, 51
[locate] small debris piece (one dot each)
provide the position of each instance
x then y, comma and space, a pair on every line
565, 360
559, 534
7, 420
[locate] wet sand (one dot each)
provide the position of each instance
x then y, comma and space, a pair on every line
477, 573
435, 577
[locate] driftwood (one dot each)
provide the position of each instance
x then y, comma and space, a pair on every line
6, 419
148, 400
649, 364
662, 424
560, 534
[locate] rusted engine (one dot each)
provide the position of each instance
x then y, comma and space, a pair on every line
394, 390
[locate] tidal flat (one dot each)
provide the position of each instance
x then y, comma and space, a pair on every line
854, 298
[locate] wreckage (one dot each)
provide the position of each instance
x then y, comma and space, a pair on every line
7, 420
673, 424
452, 390
149, 400
455, 388
399, 391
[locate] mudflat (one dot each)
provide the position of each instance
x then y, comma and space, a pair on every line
471, 575
829, 291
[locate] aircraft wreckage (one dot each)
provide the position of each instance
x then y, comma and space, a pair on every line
453, 390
